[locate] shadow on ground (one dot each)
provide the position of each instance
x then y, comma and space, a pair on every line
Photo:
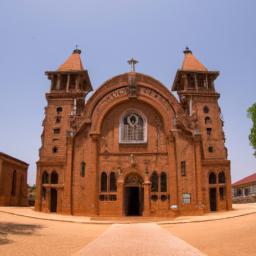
7, 228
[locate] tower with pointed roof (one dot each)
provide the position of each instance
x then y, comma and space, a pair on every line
70, 84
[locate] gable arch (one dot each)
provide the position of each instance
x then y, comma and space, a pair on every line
114, 92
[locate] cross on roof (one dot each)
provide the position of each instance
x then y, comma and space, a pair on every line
132, 62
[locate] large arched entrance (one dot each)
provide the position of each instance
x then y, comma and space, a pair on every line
133, 195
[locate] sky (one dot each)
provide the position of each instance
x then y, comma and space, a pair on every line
39, 35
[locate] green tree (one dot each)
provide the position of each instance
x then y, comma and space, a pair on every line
252, 136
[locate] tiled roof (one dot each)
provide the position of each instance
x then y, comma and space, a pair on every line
191, 63
73, 63
246, 180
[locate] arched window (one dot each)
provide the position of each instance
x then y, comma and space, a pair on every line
45, 178
208, 120
103, 182
154, 182
14, 174
54, 177
163, 179
221, 177
212, 178
133, 128
83, 168
112, 182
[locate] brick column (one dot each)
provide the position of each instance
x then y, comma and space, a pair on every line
228, 189
198, 172
38, 200
94, 175
173, 167
120, 194
146, 185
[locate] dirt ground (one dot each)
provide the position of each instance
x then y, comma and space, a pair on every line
25, 236
230, 237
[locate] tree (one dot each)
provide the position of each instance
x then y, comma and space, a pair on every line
252, 136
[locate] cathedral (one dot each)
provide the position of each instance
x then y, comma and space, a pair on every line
133, 148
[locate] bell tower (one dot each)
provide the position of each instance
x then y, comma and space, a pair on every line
70, 84
194, 84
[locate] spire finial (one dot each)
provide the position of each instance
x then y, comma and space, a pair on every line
187, 50
132, 62
76, 50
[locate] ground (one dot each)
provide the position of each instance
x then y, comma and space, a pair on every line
234, 235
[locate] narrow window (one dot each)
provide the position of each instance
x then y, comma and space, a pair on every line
59, 110
222, 178
45, 178
112, 182
103, 182
54, 177
183, 168
58, 119
208, 120
83, 167
222, 193
186, 198
210, 149
56, 130
206, 109
212, 178
154, 182
163, 183
209, 131
54, 150
13, 192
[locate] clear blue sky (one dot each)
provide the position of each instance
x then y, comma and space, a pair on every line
39, 35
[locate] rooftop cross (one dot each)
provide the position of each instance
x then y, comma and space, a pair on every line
132, 62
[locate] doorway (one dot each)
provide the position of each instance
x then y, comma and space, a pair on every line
213, 199
134, 201
54, 200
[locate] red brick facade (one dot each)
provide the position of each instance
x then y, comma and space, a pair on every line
13, 181
132, 148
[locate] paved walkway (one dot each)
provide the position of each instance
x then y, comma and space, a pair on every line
138, 240
238, 210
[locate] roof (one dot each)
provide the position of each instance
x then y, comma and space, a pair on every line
73, 63
246, 180
3, 155
191, 63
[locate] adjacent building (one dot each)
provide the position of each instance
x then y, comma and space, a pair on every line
244, 190
13, 181
133, 148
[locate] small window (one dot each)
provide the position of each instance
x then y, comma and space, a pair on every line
222, 193
54, 150
14, 177
58, 119
102, 197
154, 182
103, 182
163, 198
183, 168
186, 198
56, 130
83, 167
54, 177
206, 109
209, 131
208, 120
222, 178
210, 149
59, 110
212, 178
163, 182
112, 197
112, 183
45, 178
154, 197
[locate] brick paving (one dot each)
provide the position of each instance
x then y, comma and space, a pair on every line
146, 239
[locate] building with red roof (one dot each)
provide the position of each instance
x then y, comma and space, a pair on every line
246, 187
